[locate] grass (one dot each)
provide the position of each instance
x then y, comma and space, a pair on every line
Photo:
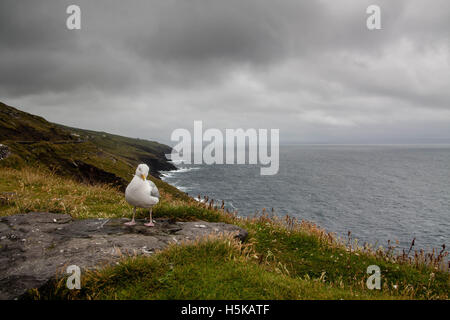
210, 268
42, 190
282, 258
39, 189
309, 251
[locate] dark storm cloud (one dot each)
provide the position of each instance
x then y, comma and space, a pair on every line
309, 67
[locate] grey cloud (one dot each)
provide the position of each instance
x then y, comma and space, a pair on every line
308, 67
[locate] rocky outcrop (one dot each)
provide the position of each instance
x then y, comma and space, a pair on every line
4, 151
34, 247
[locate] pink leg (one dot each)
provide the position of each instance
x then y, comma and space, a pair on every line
132, 222
150, 224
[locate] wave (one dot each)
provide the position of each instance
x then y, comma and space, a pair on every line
181, 170
165, 175
171, 173
175, 162
181, 188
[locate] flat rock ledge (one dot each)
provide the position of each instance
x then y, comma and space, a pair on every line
36, 246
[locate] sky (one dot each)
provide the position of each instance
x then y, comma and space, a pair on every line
309, 68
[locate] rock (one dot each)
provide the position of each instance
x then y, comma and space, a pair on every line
4, 151
34, 247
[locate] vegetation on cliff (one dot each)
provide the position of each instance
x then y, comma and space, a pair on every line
86, 155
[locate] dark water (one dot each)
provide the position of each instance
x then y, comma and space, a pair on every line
376, 192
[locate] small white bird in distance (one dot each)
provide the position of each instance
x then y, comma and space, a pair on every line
141, 193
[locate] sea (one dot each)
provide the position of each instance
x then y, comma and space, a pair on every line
377, 192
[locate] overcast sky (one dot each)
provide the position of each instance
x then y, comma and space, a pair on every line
310, 68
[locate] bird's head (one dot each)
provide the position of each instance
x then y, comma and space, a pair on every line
142, 171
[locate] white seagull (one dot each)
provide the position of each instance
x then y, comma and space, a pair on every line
141, 193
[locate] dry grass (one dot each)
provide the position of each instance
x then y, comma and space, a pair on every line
42, 190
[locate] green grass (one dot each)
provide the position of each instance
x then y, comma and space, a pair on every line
307, 251
212, 268
282, 259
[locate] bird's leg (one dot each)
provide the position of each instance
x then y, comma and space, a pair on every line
150, 224
132, 222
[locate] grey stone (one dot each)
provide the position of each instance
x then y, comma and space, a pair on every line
34, 247
4, 151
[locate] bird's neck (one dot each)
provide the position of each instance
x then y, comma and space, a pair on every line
139, 178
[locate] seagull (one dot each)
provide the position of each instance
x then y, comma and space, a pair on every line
141, 193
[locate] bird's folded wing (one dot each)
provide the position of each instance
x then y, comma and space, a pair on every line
154, 190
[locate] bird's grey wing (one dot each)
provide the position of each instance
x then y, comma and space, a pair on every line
155, 191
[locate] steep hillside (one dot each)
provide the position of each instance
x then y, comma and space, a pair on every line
85, 155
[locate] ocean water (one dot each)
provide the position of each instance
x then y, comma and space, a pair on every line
381, 192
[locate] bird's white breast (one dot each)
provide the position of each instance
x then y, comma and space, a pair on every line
138, 192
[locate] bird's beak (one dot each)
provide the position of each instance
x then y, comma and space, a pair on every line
143, 177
